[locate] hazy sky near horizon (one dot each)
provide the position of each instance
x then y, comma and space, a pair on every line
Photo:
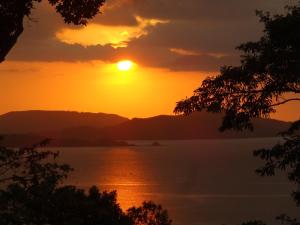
174, 45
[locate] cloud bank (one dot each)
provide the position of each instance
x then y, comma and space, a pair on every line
198, 35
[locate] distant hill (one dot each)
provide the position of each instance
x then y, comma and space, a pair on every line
196, 126
24, 122
94, 129
28, 140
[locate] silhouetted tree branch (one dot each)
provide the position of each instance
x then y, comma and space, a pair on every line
269, 70
285, 101
149, 213
284, 220
13, 12
28, 166
284, 157
31, 192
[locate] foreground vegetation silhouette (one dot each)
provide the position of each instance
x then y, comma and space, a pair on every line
269, 76
31, 181
13, 12
32, 193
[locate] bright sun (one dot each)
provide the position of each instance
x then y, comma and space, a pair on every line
124, 65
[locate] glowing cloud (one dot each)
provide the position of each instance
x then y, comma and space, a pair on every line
115, 36
184, 52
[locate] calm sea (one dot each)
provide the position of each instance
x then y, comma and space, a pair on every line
200, 182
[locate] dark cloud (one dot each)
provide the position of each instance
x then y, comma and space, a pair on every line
201, 62
207, 27
201, 37
192, 10
58, 51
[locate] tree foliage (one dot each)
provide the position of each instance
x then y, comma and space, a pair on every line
13, 12
269, 70
149, 213
286, 220
32, 192
51, 205
31, 166
284, 157
283, 219
268, 76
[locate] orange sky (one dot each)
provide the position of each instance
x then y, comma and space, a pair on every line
99, 87
96, 87
59, 67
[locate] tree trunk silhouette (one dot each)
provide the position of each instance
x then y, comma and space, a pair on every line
11, 25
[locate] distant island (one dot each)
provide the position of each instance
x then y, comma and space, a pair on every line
74, 129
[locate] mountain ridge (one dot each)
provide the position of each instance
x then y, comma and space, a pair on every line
33, 121
99, 128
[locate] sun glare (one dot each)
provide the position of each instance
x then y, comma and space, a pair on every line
125, 65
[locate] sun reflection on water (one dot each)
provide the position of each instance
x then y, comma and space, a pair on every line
121, 169
126, 174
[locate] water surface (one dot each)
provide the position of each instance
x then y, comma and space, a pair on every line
200, 182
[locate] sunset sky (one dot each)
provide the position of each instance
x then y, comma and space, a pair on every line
173, 45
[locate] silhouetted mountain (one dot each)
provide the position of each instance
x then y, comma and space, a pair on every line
28, 140
23, 122
89, 129
20, 140
195, 126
